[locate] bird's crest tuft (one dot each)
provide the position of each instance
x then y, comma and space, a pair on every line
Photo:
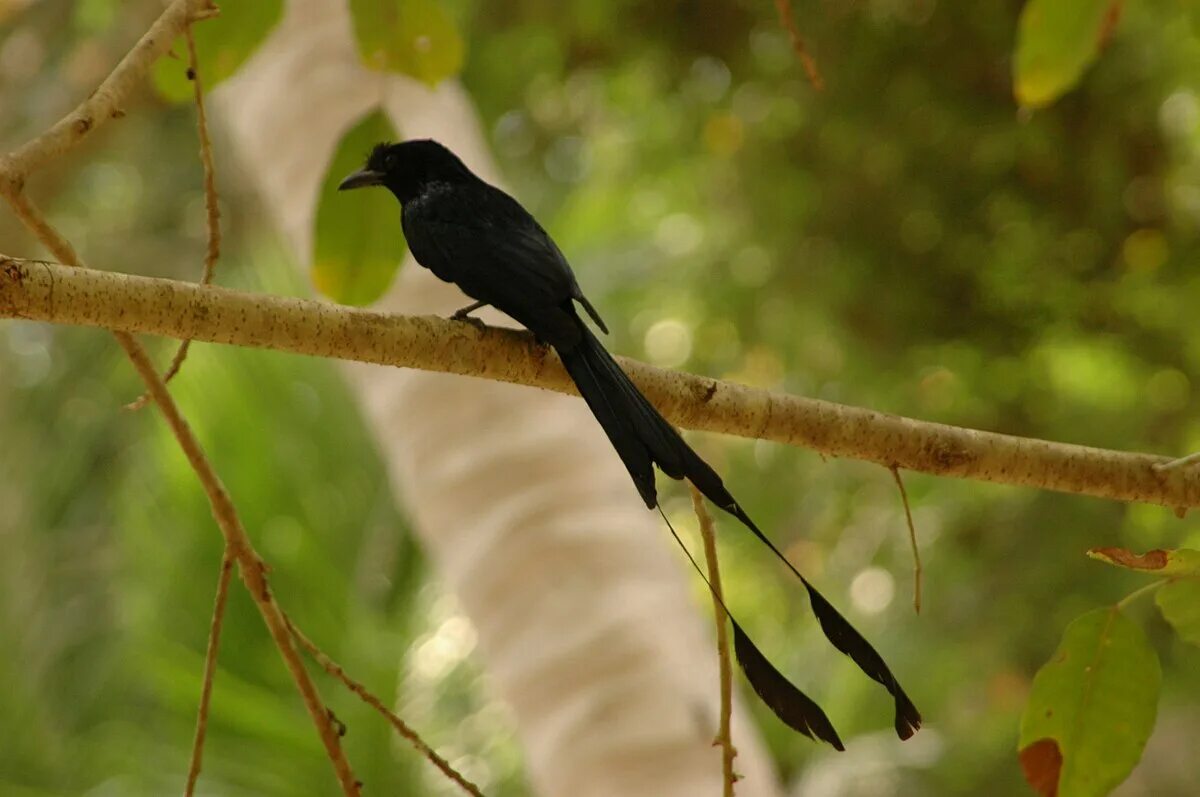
376, 160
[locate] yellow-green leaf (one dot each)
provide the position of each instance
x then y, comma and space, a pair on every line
358, 243
1057, 40
223, 43
414, 37
1091, 708
1181, 562
1179, 603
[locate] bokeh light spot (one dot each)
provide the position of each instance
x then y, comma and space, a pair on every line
872, 590
1145, 250
678, 234
723, 134
668, 342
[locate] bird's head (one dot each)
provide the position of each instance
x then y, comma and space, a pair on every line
407, 168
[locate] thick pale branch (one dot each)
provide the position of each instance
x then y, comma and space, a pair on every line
48, 292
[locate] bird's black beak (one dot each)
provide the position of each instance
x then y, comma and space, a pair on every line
361, 179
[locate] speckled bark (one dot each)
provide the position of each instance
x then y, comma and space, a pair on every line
139, 304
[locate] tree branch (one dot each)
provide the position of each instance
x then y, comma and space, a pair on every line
420, 745
104, 104
210, 671
721, 618
211, 206
54, 293
106, 101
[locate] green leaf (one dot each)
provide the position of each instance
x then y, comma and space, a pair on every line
358, 243
1091, 708
1056, 41
1181, 562
414, 37
1179, 603
223, 44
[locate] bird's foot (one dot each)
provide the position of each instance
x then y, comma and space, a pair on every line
469, 319
464, 314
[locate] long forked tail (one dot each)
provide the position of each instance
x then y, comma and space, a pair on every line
643, 438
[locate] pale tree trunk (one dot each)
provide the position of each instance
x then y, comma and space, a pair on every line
582, 610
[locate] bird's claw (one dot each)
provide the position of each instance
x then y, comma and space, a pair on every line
469, 319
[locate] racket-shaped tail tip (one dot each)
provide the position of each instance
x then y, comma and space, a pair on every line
796, 709
908, 719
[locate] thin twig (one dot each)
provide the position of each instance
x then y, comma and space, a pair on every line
251, 567
724, 739
210, 669
1190, 459
1140, 591
211, 206
789, 24
185, 310
912, 539
333, 668
103, 104
107, 101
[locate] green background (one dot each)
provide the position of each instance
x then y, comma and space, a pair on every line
907, 240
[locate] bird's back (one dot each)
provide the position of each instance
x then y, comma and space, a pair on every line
481, 239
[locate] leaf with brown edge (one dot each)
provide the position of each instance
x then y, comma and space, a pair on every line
1041, 762
1096, 701
795, 708
1183, 562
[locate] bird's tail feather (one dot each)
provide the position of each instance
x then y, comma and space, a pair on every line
643, 438
588, 365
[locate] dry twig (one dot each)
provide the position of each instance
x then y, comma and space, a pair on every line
15, 168
788, 20
912, 538
724, 739
211, 207
210, 669
251, 567
333, 668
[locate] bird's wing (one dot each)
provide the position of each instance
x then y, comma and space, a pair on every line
488, 245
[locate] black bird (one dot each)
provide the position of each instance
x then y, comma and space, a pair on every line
476, 236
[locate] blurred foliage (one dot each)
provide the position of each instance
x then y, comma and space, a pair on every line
1180, 605
1056, 41
352, 264
112, 559
413, 37
905, 240
223, 44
